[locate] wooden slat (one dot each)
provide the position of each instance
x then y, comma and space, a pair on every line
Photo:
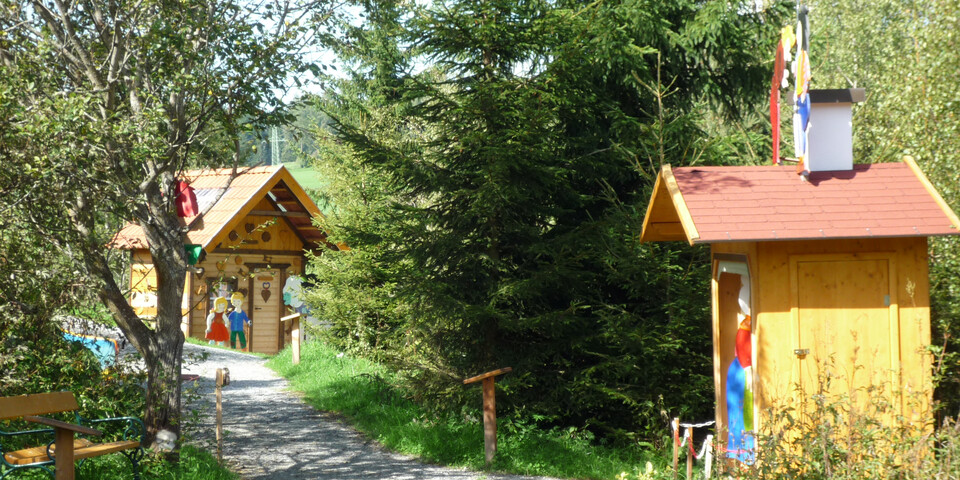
483, 376
83, 448
37, 404
39, 454
64, 425
253, 251
97, 449
277, 213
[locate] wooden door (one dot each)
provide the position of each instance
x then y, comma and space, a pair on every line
847, 330
266, 298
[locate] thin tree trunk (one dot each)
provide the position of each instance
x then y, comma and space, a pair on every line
163, 387
165, 351
161, 347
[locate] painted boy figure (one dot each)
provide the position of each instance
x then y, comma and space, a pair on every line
237, 320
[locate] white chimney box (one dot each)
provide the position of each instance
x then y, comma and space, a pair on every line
830, 134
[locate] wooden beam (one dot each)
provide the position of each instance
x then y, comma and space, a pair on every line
63, 425
277, 213
685, 218
487, 375
287, 220
932, 191
252, 251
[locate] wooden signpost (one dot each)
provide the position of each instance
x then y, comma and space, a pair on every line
294, 335
676, 445
489, 411
223, 379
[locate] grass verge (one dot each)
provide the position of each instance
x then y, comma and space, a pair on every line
195, 464
204, 343
363, 392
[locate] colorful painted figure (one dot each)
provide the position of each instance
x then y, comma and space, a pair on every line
293, 298
740, 441
780, 76
237, 320
216, 329
801, 107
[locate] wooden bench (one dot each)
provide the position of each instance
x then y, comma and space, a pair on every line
63, 448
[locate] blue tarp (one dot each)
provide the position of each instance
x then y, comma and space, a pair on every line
106, 350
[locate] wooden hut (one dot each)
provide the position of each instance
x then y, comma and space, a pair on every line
250, 236
823, 277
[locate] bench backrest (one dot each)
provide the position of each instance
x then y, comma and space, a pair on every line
37, 404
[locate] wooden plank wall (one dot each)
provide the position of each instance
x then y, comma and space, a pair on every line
775, 315
265, 314
143, 281
256, 240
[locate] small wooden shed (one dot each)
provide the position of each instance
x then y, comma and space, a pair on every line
252, 237
817, 277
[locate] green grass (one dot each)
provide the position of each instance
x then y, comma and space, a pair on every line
306, 176
195, 464
362, 391
197, 341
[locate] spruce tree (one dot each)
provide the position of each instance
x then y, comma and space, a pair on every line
515, 150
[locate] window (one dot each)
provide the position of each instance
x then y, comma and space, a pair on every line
217, 287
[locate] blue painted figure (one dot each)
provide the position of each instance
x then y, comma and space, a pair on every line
237, 320
740, 441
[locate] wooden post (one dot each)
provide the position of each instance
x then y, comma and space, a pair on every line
63, 455
676, 439
489, 420
690, 450
294, 335
489, 411
223, 379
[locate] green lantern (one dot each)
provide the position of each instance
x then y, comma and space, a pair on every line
193, 253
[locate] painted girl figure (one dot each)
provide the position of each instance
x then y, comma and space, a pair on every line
216, 328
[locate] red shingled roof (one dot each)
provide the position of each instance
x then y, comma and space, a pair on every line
759, 203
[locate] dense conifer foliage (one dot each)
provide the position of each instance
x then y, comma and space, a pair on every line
490, 169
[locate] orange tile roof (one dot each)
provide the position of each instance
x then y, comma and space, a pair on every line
758, 203
247, 188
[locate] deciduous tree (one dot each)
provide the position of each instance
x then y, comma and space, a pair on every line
111, 100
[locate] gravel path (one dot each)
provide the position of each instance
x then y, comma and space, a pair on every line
272, 434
